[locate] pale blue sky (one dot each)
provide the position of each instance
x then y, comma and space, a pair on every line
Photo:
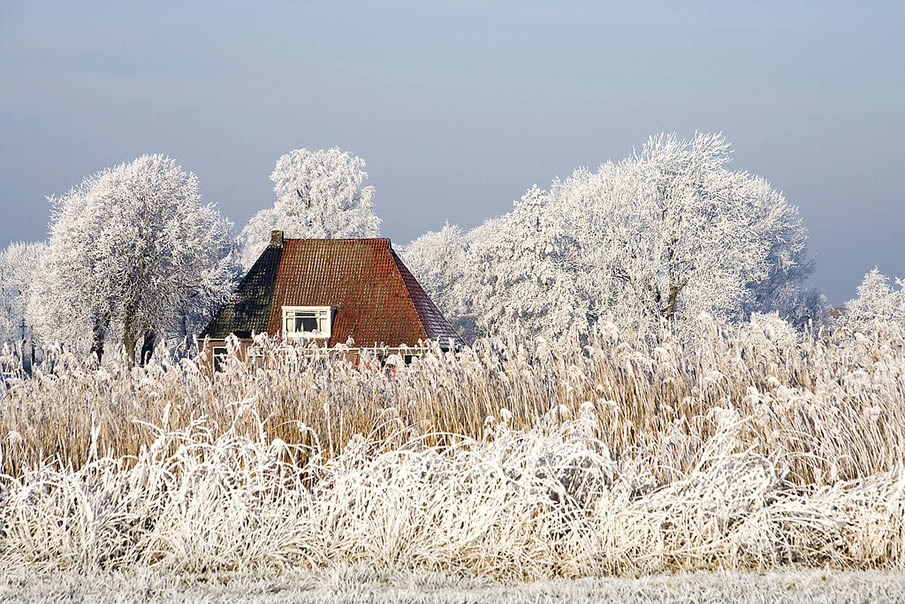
458, 107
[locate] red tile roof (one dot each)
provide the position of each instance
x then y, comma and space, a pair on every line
377, 299
248, 310
435, 324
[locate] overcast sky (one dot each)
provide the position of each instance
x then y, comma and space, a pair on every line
459, 107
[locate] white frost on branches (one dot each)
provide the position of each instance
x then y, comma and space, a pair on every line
670, 232
133, 254
664, 235
525, 272
877, 306
319, 195
18, 263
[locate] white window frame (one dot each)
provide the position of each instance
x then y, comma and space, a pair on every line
219, 354
256, 356
323, 314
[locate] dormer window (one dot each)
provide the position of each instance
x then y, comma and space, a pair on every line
307, 321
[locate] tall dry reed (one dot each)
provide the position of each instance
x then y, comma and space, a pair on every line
831, 408
754, 447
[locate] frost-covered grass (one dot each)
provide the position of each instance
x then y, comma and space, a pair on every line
757, 449
356, 584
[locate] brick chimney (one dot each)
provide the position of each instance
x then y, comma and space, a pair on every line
276, 238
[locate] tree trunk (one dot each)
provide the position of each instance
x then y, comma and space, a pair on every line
97, 338
147, 347
129, 338
670, 309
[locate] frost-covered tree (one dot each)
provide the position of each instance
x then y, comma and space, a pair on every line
517, 272
671, 232
18, 263
800, 306
877, 306
524, 273
319, 195
664, 235
133, 255
783, 290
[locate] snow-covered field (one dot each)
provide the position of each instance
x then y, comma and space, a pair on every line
350, 585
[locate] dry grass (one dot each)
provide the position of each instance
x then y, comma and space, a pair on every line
754, 448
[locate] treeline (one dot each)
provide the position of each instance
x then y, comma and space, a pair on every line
135, 256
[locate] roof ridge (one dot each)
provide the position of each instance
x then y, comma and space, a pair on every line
408, 294
386, 239
425, 321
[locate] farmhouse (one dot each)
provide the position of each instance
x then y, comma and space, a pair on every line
331, 291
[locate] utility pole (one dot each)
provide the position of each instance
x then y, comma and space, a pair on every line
22, 345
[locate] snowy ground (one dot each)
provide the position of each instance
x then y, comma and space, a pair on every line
362, 585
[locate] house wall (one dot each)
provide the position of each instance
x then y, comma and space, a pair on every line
246, 351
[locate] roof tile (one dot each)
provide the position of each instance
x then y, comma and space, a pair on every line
248, 310
378, 301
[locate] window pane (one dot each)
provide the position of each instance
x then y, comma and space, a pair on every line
219, 358
314, 322
306, 323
